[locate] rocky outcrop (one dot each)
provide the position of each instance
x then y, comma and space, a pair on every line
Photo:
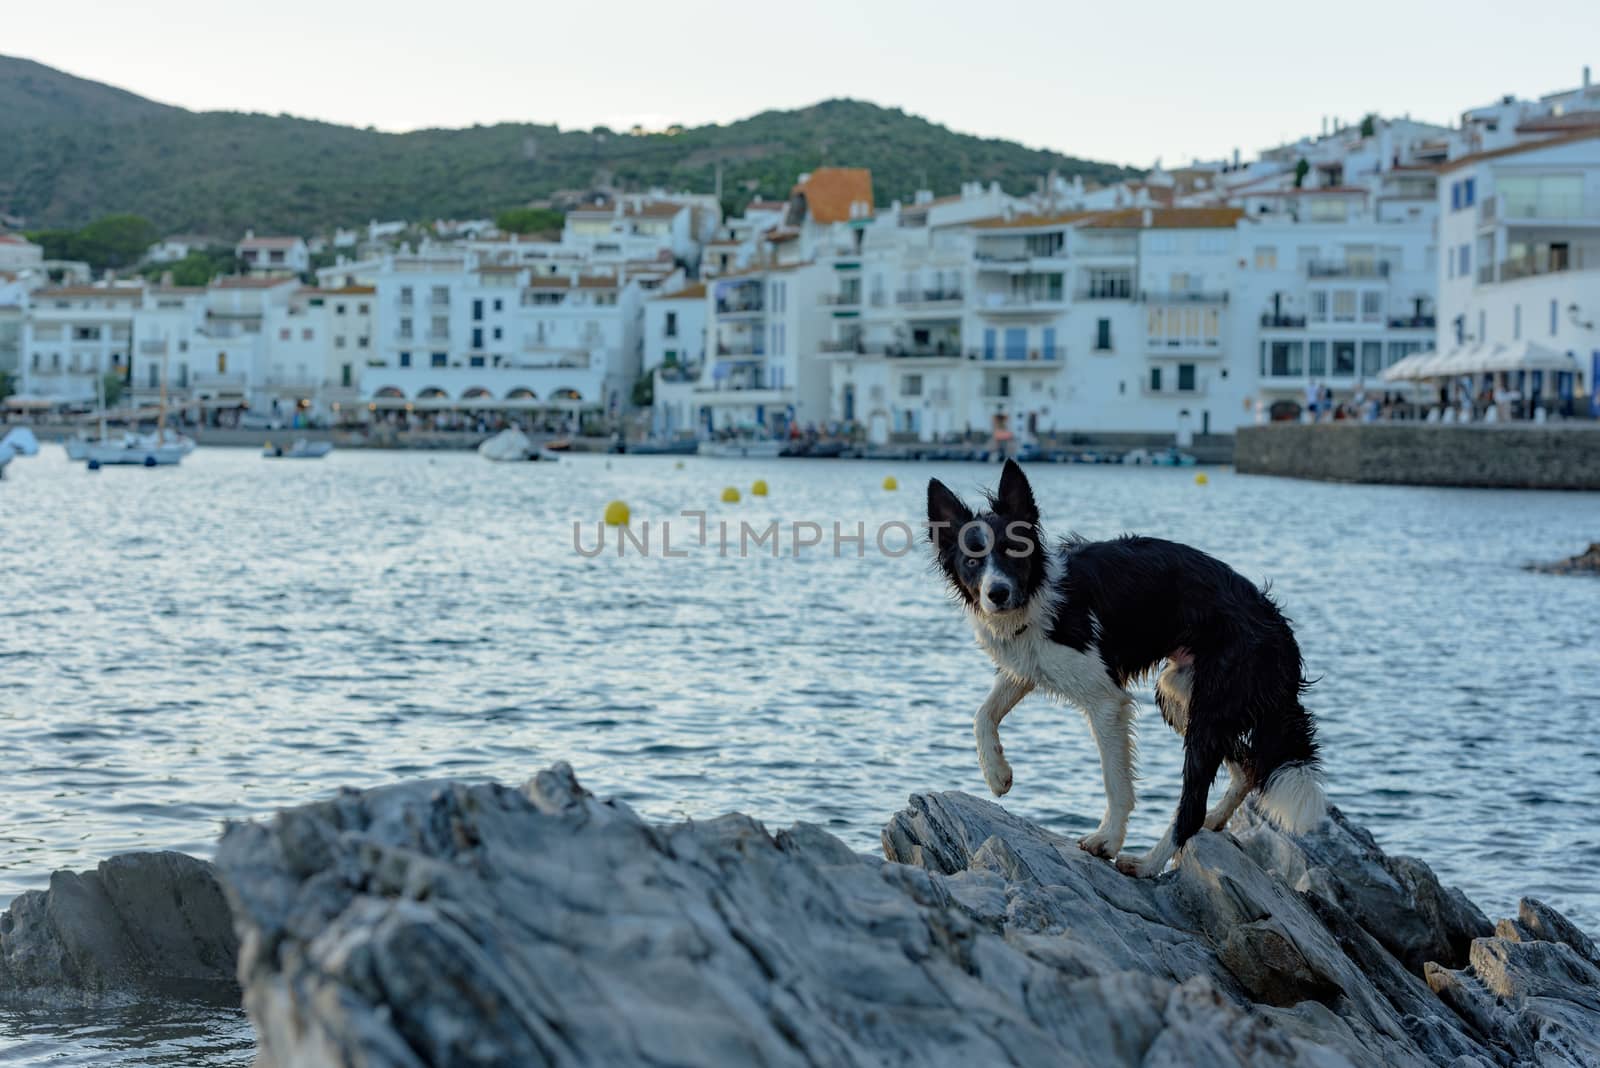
1585, 563
440, 923
139, 924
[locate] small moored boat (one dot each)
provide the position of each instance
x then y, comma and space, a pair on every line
300, 450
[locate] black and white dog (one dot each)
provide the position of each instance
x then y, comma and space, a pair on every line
1080, 620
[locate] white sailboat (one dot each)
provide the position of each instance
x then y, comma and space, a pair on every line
19, 442
164, 448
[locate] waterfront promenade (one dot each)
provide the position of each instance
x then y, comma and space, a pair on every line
1506, 456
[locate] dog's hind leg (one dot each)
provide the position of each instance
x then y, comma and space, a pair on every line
1111, 722
1223, 810
1003, 697
1202, 757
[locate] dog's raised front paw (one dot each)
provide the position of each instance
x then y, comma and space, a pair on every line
1101, 843
996, 772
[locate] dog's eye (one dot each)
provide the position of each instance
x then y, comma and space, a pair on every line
970, 562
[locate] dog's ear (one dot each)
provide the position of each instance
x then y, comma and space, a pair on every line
946, 514
1016, 496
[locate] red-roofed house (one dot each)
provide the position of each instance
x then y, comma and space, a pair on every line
273, 255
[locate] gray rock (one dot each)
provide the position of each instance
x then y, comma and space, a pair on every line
139, 924
440, 923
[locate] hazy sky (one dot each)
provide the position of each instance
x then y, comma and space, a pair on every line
1115, 81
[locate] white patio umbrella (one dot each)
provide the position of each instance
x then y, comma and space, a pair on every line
1404, 369
1528, 356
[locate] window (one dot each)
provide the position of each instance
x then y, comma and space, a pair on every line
1542, 196
1328, 209
441, 295
1186, 378
1319, 305
222, 363
1049, 342
911, 386
1399, 350
1344, 358
1344, 306
477, 309
439, 359
1464, 260
499, 305
1155, 380
1016, 343
672, 325
474, 361
361, 342
1286, 359
405, 328
1267, 258
338, 341
1516, 322
1102, 335
1317, 352
1372, 306
1216, 241
498, 333
306, 334
440, 326
345, 376
1371, 358
338, 309
405, 359
477, 337
284, 333
405, 295
988, 343
361, 309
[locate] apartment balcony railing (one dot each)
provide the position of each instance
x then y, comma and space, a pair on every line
842, 300
1486, 274
1572, 206
1189, 346
1014, 355
1182, 296
1329, 269
1275, 321
928, 296
1002, 257
434, 337
833, 344
1019, 301
438, 302
1106, 291
741, 348
1412, 322
736, 306
1199, 389
229, 381
1530, 266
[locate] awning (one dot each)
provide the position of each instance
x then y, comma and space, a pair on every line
1404, 369
22, 403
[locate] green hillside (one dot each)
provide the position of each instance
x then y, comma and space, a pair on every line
73, 150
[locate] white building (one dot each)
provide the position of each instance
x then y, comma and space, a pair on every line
451, 329
1520, 229
18, 254
74, 335
273, 255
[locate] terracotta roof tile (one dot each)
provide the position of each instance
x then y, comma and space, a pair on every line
1025, 222
1166, 219
689, 292
1512, 150
830, 191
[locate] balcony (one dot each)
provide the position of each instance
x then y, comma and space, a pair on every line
729, 306
1107, 289
741, 348
1182, 296
1329, 269
1531, 266
1147, 390
1276, 321
928, 296
1412, 322
1187, 347
220, 382
1021, 303
841, 300
1002, 257
1045, 357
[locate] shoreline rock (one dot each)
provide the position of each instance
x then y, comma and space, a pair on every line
139, 925
435, 923
441, 923
1585, 563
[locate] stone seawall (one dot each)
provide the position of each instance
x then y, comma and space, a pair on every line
1422, 454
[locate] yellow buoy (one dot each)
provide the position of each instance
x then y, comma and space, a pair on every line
759, 488
679, 465
889, 483
730, 496
1201, 479
616, 514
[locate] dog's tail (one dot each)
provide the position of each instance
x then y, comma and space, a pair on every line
1293, 798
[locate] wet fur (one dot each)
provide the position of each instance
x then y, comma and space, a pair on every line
1083, 620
